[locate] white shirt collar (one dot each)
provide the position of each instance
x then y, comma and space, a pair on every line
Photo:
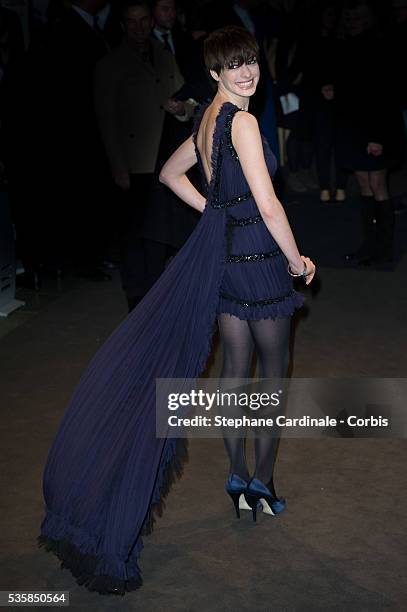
103, 15
159, 35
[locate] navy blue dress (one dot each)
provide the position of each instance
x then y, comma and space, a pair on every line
107, 473
255, 282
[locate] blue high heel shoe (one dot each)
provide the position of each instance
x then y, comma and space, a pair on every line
236, 487
257, 491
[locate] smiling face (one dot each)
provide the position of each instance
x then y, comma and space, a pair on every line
137, 23
358, 20
165, 14
239, 79
231, 55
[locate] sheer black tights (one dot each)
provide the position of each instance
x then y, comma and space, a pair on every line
269, 338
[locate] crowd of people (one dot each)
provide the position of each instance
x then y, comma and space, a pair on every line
107, 91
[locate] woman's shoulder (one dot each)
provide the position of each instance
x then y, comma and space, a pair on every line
246, 134
245, 126
245, 120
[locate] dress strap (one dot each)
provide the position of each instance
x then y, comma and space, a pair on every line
221, 138
222, 141
228, 132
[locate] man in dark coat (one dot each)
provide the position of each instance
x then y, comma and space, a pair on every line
134, 86
76, 165
177, 219
187, 52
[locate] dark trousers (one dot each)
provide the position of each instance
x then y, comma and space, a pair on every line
90, 221
323, 127
142, 260
75, 208
299, 153
299, 147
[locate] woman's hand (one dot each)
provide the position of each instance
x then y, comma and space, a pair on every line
310, 269
374, 148
310, 273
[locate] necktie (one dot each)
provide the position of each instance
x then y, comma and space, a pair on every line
96, 25
165, 37
99, 31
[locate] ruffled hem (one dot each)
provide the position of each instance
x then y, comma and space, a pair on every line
83, 566
279, 310
76, 549
174, 462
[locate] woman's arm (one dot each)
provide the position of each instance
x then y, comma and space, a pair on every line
247, 141
173, 175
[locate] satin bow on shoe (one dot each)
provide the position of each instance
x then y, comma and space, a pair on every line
257, 491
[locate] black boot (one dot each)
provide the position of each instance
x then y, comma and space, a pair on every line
385, 232
31, 278
368, 215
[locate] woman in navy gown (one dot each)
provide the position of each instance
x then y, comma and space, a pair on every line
107, 473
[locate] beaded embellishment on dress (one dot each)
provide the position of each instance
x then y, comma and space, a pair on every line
247, 303
253, 256
232, 221
232, 201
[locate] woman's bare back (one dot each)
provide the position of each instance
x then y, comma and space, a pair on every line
204, 138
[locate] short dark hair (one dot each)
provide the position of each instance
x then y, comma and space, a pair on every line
134, 3
229, 44
153, 3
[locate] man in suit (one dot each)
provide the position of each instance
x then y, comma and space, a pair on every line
134, 86
76, 165
188, 53
169, 220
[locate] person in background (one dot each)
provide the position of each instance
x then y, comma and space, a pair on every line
317, 55
75, 170
168, 221
11, 54
11, 39
397, 38
133, 89
370, 131
188, 54
295, 133
13, 167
